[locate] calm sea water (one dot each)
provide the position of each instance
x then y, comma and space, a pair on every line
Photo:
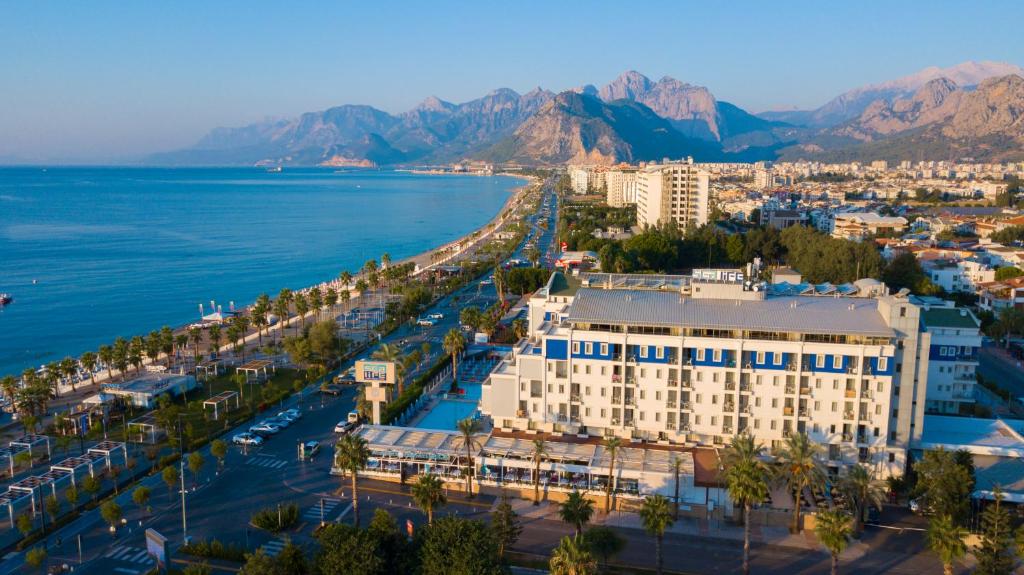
95, 253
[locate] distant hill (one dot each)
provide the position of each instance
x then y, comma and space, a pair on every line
579, 128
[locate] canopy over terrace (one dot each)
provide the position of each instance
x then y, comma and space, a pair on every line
211, 366
147, 427
220, 400
29, 485
9, 498
395, 449
74, 464
108, 448
32, 441
8, 453
257, 368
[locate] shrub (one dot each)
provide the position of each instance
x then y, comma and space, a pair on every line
275, 519
214, 549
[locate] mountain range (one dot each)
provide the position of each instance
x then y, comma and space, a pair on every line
972, 109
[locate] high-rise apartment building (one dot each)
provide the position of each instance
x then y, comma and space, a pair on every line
621, 184
672, 193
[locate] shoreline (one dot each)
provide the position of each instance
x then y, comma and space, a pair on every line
460, 245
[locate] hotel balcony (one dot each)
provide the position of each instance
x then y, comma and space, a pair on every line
851, 393
787, 411
730, 386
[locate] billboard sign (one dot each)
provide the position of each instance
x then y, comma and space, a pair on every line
156, 547
719, 275
375, 372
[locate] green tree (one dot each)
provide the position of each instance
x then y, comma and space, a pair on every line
904, 271
428, 494
111, 513
454, 546
291, 561
604, 542
468, 428
611, 447
996, 554
91, 485
347, 550
454, 344
141, 497
195, 465
572, 557
506, 525
946, 539
170, 477
258, 563
52, 506
197, 569
862, 490
656, 517
72, 496
799, 468
1008, 272
735, 249
219, 449
24, 523
833, 530
351, 455
943, 484
576, 510
36, 558
746, 478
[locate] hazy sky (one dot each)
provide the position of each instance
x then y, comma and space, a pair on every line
88, 81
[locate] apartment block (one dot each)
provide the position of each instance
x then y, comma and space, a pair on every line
672, 193
952, 355
621, 184
696, 360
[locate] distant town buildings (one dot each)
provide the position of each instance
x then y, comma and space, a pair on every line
675, 193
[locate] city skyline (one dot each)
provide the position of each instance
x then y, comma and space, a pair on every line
95, 84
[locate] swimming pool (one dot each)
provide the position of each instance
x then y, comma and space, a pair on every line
446, 414
472, 390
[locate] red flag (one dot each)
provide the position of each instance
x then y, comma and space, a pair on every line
408, 527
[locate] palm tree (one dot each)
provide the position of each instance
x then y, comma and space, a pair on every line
346, 279
351, 455
428, 493
106, 355
69, 369
799, 469
214, 333
301, 307
519, 328
611, 445
454, 343
576, 510
746, 478
53, 377
9, 386
499, 284
88, 361
540, 450
391, 353
467, 429
946, 539
656, 517
196, 335
281, 310
862, 490
385, 260
572, 557
833, 530
181, 342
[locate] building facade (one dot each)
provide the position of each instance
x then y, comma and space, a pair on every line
952, 356
672, 193
696, 361
621, 186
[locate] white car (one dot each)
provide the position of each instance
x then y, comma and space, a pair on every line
264, 428
425, 321
290, 416
486, 282
247, 439
344, 426
278, 421
436, 315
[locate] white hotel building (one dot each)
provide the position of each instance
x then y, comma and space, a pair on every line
687, 361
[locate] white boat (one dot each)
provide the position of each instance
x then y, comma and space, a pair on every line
6, 298
274, 170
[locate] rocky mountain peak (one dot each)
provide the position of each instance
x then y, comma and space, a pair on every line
630, 85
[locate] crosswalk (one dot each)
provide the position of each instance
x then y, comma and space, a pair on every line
273, 547
313, 513
129, 554
267, 461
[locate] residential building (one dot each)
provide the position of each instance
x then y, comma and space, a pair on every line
621, 184
697, 360
859, 225
995, 296
672, 193
952, 355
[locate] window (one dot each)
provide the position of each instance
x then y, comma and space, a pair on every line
575, 347
604, 349
817, 406
586, 369
883, 364
699, 396
714, 400
835, 407
760, 358
642, 394
586, 411
717, 355
775, 402
700, 354
757, 402
837, 362
819, 360
777, 357
657, 395
603, 412
773, 425
588, 348
603, 391
586, 390
643, 351
659, 352
575, 368
696, 420
603, 370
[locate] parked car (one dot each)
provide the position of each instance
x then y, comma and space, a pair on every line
281, 422
247, 439
310, 449
436, 315
920, 506
293, 413
425, 321
264, 429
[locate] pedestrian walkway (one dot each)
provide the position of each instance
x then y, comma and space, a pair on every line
129, 554
273, 547
268, 461
314, 512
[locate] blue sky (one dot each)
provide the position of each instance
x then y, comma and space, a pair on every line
106, 80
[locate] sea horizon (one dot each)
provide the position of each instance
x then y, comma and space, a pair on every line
169, 238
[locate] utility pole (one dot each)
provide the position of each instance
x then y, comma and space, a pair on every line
184, 523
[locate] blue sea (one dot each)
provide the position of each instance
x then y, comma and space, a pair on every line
90, 254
